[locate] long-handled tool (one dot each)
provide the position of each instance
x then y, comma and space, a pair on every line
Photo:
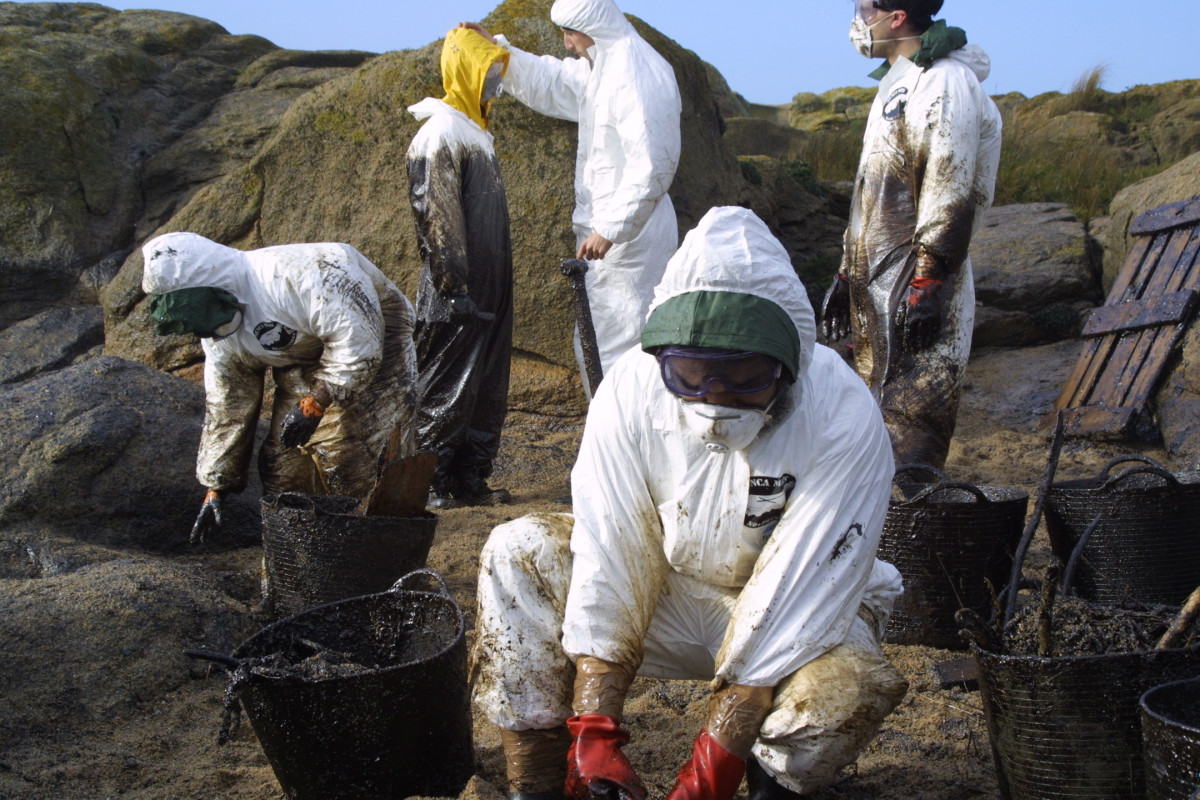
402, 488
575, 270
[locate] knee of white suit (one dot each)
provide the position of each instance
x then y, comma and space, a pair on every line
826, 712
522, 678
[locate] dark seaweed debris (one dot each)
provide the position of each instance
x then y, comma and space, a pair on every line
1082, 628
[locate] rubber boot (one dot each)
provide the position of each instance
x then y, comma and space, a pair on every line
761, 786
536, 762
474, 491
550, 795
441, 495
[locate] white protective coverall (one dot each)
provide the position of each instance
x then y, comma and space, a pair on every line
309, 312
627, 104
927, 174
754, 567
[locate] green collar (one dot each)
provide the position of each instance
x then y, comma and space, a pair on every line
937, 42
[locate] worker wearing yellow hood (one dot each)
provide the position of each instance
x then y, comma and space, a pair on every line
464, 299
472, 68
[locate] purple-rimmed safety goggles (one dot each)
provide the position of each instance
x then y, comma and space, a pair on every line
692, 371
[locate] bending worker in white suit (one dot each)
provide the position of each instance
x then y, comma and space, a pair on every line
336, 336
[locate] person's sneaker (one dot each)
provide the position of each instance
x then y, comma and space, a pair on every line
440, 500
476, 492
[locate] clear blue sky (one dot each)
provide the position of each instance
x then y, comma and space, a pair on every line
769, 50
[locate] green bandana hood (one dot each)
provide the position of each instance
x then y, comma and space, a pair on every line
200, 310
939, 41
726, 320
731, 285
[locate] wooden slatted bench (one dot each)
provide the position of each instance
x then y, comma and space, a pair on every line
1128, 340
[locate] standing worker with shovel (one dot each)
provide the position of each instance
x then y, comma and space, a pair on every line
464, 302
625, 98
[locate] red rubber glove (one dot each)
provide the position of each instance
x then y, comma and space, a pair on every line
714, 773
921, 314
596, 767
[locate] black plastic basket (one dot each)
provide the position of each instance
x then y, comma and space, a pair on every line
1144, 540
953, 544
1067, 727
317, 550
397, 725
1171, 740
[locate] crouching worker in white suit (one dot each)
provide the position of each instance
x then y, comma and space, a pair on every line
729, 495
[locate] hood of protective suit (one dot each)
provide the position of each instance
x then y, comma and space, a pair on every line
732, 250
466, 58
975, 59
186, 260
599, 19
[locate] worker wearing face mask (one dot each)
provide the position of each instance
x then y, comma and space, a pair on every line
730, 491
905, 293
336, 337
465, 296
625, 98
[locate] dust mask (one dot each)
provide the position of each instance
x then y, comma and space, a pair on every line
723, 428
863, 38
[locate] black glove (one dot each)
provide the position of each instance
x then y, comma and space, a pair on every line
920, 314
462, 308
835, 310
208, 521
300, 422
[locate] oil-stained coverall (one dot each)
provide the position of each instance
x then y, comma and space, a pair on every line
309, 313
627, 104
464, 300
926, 175
751, 566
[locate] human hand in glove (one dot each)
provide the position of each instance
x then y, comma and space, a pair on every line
735, 715
208, 521
596, 767
302, 420
835, 310
462, 308
920, 317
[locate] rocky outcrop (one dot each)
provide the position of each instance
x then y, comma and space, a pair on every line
1177, 403
833, 109
1179, 182
104, 452
111, 120
50, 340
109, 639
1036, 274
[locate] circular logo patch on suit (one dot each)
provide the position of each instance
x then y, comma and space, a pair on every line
893, 109
274, 335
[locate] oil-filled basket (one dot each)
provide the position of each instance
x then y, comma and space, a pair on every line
1171, 740
362, 699
318, 550
1067, 727
953, 543
1140, 532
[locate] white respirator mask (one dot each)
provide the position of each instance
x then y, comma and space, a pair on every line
723, 428
863, 38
